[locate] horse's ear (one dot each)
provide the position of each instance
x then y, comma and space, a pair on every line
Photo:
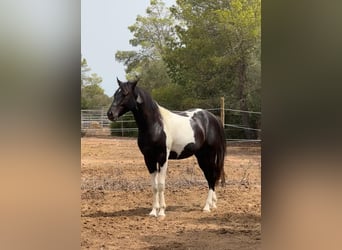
134, 83
122, 86
119, 82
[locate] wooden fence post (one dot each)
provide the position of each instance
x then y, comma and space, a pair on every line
222, 111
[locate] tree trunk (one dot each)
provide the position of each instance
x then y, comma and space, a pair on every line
242, 76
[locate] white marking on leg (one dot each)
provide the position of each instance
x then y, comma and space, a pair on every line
155, 203
161, 186
161, 189
209, 201
214, 200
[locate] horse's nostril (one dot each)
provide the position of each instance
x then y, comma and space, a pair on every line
110, 115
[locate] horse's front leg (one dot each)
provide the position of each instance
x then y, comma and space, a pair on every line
161, 189
158, 185
211, 201
155, 203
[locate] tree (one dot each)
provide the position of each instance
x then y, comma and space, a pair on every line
84, 71
197, 51
242, 21
218, 52
92, 95
151, 34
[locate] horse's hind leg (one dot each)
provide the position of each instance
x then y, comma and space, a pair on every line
206, 161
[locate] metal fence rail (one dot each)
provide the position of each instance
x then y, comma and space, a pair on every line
95, 122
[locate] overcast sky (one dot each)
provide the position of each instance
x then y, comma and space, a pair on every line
104, 31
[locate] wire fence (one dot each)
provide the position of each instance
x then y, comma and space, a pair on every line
95, 123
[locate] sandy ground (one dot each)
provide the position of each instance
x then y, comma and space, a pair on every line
117, 197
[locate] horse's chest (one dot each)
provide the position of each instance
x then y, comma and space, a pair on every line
152, 140
179, 134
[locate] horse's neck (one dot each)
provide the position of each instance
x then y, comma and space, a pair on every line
147, 113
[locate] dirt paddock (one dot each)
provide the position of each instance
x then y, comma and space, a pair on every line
116, 197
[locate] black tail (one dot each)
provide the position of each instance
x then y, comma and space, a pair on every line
220, 155
211, 156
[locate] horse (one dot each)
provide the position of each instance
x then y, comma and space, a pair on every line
164, 135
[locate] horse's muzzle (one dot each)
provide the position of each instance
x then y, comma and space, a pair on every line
111, 116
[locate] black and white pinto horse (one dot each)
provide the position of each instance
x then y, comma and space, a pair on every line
167, 135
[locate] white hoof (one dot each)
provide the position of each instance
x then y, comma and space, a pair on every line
206, 208
161, 212
153, 213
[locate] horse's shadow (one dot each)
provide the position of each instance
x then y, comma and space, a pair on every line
140, 211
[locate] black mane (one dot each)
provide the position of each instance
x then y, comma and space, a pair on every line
149, 107
147, 99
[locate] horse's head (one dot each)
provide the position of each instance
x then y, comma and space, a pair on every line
125, 99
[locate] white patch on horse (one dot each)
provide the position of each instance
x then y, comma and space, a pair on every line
155, 205
178, 130
161, 186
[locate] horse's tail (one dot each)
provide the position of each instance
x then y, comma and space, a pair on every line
220, 155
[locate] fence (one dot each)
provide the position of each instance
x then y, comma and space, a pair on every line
96, 123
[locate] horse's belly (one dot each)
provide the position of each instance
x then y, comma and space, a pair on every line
182, 148
180, 137
186, 152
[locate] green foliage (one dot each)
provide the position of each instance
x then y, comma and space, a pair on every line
218, 53
92, 95
84, 70
197, 51
152, 75
151, 34
170, 96
215, 37
125, 126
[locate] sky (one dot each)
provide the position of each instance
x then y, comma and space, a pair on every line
104, 30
